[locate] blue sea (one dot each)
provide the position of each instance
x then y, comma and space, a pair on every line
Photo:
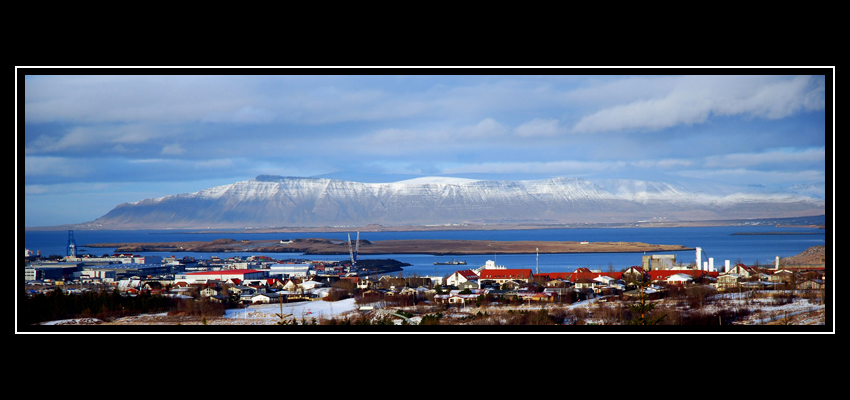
717, 242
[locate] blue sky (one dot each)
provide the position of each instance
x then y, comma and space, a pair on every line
92, 142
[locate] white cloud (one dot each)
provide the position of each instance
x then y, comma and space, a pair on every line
539, 127
748, 176
562, 168
395, 140
35, 166
693, 99
90, 138
663, 164
741, 160
173, 149
214, 164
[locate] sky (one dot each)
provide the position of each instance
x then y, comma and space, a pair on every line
91, 142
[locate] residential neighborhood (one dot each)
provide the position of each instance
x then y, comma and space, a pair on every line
241, 282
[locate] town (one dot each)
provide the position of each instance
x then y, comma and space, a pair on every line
237, 282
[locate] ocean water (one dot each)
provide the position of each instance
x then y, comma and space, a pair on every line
717, 242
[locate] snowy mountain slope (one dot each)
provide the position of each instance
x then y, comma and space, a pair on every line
280, 201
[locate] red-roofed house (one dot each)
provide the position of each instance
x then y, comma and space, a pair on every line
745, 271
550, 276
634, 273
501, 276
459, 277
584, 273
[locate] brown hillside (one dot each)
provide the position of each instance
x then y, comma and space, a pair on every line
812, 255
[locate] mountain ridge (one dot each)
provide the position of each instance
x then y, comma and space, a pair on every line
272, 200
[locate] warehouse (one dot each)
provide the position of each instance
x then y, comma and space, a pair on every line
221, 275
284, 271
53, 271
120, 271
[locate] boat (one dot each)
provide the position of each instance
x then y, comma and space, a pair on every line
452, 262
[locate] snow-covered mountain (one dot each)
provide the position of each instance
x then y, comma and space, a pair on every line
293, 201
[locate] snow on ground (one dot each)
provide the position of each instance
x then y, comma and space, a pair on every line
764, 311
299, 310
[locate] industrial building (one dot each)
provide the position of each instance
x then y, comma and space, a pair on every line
283, 271
221, 275
118, 271
52, 271
658, 261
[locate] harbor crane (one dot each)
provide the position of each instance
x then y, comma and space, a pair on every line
353, 253
72, 245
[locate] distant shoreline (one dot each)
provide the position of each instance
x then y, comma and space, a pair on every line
792, 222
318, 246
778, 233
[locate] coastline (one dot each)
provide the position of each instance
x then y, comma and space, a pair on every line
437, 247
780, 222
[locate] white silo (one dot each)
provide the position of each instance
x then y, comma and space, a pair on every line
710, 264
699, 258
727, 267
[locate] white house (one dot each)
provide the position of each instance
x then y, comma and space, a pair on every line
459, 277
680, 279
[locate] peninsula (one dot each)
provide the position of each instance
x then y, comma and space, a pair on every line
318, 246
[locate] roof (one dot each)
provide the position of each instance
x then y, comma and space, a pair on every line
468, 274
555, 275
663, 274
227, 272
584, 273
680, 277
506, 274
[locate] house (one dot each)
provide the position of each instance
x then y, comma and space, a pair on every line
242, 290
365, 284
783, 276
219, 298
417, 293
811, 284
291, 284
665, 274
536, 296
501, 276
459, 277
744, 271
559, 283
469, 285
635, 274
649, 293
209, 291
319, 292
263, 298
680, 279
605, 280
274, 283
584, 273
558, 292
728, 281
585, 283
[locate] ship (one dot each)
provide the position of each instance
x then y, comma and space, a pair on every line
452, 262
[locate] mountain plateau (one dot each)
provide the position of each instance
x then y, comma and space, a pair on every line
278, 201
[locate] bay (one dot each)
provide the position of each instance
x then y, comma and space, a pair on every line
717, 242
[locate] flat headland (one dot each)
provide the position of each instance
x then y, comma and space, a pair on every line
318, 246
